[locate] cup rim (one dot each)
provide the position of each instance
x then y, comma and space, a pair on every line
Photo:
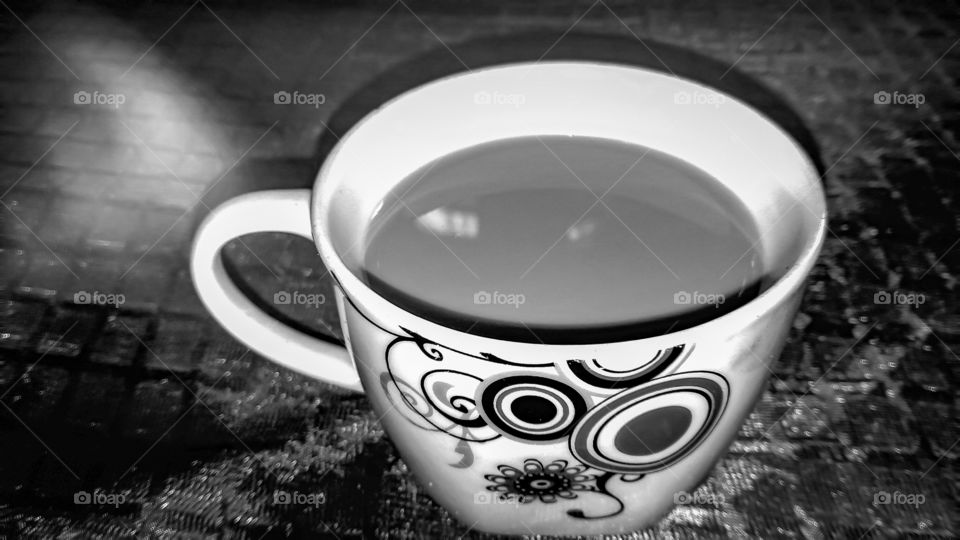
385, 311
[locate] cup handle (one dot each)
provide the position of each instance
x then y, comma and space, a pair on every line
285, 211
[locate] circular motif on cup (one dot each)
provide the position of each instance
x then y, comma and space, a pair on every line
652, 426
531, 408
592, 372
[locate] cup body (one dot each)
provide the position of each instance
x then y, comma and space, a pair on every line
580, 437
447, 408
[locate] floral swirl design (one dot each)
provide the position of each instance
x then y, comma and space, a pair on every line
558, 480
534, 480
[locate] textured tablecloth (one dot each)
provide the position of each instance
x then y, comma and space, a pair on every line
127, 412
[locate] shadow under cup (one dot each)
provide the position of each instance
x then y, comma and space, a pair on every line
755, 160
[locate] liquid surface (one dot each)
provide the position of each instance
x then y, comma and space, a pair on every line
539, 235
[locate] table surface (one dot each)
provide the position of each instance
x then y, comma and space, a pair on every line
151, 405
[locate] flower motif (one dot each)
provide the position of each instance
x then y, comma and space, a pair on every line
536, 481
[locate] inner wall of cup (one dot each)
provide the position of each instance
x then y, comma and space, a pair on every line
721, 136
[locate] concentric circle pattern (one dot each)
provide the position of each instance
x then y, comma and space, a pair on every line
531, 408
652, 426
592, 372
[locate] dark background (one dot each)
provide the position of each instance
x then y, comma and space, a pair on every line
152, 404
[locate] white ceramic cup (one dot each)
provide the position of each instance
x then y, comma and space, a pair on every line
449, 399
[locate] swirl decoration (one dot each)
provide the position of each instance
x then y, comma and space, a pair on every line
434, 399
446, 399
531, 408
443, 403
594, 374
428, 348
451, 394
652, 426
408, 402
